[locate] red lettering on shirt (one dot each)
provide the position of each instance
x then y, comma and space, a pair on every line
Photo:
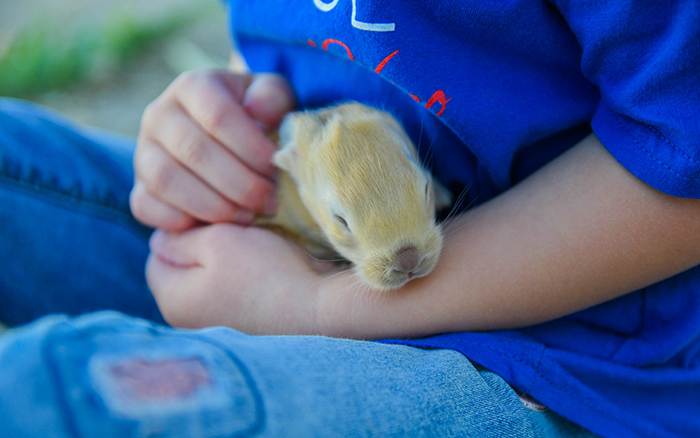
381, 65
438, 96
332, 41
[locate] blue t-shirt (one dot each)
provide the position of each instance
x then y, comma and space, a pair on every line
491, 91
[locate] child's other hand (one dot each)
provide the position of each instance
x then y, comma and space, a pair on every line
203, 154
221, 274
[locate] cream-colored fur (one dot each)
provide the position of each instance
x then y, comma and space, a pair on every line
351, 186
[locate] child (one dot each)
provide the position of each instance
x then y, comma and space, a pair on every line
572, 280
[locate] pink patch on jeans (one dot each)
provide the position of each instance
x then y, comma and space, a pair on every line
158, 380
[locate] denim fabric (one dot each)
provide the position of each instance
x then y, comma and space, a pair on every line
68, 242
107, 375
69, 245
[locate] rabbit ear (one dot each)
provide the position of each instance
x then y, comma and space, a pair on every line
297, 136
287, 158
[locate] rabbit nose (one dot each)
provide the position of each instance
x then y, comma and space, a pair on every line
407, 259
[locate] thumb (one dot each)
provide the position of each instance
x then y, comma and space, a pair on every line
177, 249
268, 99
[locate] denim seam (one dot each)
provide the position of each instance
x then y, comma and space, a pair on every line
71, 202
259, 425
70, 423
72, 426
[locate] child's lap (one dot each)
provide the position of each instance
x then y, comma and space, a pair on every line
110, 375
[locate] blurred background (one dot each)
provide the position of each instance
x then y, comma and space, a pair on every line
100, 62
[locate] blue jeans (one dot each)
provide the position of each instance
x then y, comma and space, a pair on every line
69, 245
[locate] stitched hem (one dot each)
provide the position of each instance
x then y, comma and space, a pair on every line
648, 154
76, 204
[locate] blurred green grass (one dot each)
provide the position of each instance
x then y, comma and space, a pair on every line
43, 58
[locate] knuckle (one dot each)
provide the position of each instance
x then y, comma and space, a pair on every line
143, 159
223, 212
185, 80
159, 178
149, 113
207, 86
215, 117
137, 204
176, 224
192, 149
155, 113
251, 194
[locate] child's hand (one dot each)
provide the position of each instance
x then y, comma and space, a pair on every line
202, 152
242, 277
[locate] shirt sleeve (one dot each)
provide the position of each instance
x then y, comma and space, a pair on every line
644, 55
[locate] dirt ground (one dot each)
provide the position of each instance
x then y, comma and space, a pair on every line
117, 103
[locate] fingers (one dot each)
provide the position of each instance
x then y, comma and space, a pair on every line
212, 103
172, 270
169, 182
170, 284
203, 154
155, 213
176, 249
210, 161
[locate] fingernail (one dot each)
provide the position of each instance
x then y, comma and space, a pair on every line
244, 217
270, 205
263, 127
164, 253
268, 98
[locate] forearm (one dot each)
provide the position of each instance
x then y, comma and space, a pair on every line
578, 232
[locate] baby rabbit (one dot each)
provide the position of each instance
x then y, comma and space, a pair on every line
351, 186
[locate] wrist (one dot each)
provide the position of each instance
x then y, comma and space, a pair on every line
327, 298
347, 308
298, 306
